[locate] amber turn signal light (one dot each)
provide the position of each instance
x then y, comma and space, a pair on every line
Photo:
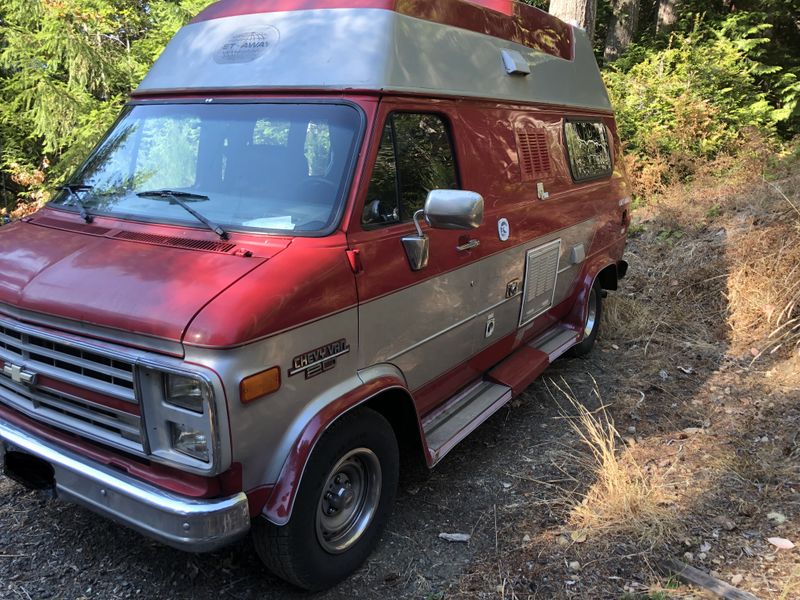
260, 385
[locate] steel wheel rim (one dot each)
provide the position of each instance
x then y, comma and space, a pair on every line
591, 315
349, 500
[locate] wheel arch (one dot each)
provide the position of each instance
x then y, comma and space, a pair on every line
603, 269
398, 408
610, 276
387, 395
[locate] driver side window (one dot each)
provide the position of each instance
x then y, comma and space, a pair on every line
415, 157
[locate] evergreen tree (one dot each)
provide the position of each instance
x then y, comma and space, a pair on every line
66, 68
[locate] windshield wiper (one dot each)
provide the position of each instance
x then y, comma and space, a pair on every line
182, 199
72, 189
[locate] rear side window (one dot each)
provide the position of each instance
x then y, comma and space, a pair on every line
415, 157
588, 149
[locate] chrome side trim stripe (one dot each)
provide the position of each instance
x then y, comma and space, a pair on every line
451, 328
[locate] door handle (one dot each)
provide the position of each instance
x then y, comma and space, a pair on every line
470, 245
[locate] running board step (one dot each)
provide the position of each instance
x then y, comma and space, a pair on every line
555, 341
525, 364
461, 416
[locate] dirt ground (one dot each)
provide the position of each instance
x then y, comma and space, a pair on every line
715, 435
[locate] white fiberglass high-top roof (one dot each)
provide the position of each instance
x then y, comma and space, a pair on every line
432, 47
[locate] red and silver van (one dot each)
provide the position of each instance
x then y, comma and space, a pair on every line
323, 235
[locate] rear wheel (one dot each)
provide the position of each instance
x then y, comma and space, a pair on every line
344, 501
591, 325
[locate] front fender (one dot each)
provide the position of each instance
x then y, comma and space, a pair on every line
279, 504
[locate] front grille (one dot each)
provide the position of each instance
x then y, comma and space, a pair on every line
60, 360
67, 362
94, 421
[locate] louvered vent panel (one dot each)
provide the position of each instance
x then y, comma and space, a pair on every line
163, 240
541, 273
534, 155
79, 227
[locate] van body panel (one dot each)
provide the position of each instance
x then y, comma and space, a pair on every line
139, 287
458, 293
307, 268
268, 429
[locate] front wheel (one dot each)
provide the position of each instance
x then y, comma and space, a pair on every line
591, 325
344, 501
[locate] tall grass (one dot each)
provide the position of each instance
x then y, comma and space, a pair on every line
764, 282
623, 498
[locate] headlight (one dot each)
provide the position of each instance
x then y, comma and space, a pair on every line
190, 442
180, 415
186, 392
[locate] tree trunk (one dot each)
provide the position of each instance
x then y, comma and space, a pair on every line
667, 15
582, 12
621, 28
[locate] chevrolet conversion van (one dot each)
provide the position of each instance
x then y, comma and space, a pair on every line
322, 235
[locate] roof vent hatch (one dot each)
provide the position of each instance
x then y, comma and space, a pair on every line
515, 63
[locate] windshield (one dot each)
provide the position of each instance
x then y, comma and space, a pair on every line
275, 167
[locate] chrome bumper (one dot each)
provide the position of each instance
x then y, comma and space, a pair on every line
184, 523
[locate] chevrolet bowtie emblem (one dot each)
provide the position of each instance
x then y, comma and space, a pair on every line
19, 375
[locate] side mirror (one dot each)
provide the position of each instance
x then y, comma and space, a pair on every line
454, 209
444, 209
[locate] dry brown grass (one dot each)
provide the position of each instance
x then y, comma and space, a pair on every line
792, 588
624, 499
764, 282
741, 249
627, 320
722, 274
786, 375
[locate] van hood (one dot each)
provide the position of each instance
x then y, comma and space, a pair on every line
143, 288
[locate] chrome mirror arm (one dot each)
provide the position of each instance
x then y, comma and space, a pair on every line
444, 209
418, 216
417, 247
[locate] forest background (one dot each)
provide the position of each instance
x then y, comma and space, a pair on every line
690, 80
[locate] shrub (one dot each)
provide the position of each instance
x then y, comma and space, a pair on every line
694, 99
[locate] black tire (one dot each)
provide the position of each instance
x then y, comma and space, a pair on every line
591, 324
300, 552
